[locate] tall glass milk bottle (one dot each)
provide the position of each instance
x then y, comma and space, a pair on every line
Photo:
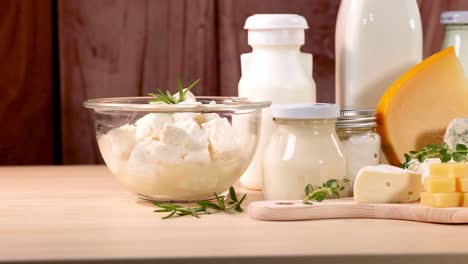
376, 41
456, 35
276, 70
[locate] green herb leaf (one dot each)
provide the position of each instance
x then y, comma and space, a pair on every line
238, 207
190, 87
446, 157
308, 189
192, 211
207, 204
180, 88
422, 157
443, 152
458, 157
407, 157
163, 210
202, 207
330, 183
320, 196
432, 147
220, 201
166, 205
330, 187
232, 194
461, 147
168, 98
169, 215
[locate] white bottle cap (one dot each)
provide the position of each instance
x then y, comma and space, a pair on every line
454, 17
305, 111
276, 29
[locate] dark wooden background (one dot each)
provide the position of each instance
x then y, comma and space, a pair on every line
54, 54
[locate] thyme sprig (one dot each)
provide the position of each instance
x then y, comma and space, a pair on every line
443, 152
204, 207
331, 187
168, 98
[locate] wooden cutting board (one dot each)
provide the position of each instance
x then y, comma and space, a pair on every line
347, 208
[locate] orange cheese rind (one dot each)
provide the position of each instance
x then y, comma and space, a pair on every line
390, 93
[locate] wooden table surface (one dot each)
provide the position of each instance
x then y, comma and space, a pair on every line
81, 214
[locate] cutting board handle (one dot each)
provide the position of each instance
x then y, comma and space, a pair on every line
347, 208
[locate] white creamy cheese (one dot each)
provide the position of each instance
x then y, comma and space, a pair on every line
118, 145
151, 125
166, 155
222, 137
187, 140
457, 132
386, 184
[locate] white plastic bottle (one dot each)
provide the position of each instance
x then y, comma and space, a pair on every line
376, 41
276, 70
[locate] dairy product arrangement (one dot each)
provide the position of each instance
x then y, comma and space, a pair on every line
415, 114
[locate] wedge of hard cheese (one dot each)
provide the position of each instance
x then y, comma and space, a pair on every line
386, 184
417, 108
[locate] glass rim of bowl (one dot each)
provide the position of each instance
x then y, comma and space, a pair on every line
142, 104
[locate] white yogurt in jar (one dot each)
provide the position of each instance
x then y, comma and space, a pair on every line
304, 149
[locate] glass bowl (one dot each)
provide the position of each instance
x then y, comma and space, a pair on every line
182, 152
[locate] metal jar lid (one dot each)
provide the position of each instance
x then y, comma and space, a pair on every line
454, 17
356, 118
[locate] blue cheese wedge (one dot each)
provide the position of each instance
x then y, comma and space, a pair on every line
457, 132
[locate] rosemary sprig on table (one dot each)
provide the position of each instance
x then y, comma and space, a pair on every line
331, 187
204, 207
168, 98
443, 152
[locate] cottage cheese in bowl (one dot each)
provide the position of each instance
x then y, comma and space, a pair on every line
178, 155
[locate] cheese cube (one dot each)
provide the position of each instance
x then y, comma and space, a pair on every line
441, 199
441, 170
462, 185
460, 169
386, 184
440, 185
465, 199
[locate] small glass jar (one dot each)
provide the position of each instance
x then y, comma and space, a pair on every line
356, 130
456, 35
303, 149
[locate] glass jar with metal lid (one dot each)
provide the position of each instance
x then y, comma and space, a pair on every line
456, 34
303, 149
356, 131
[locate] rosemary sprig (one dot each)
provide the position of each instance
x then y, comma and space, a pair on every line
443, 152
204, 207
168, 98
331, 187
